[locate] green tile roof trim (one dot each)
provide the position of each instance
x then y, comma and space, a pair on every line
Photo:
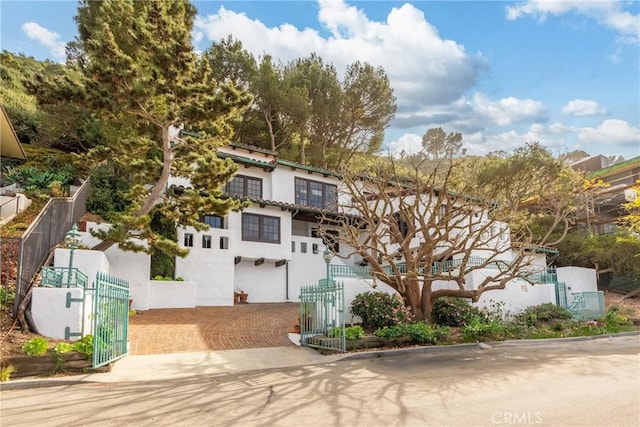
253, 148
536, 248
292, 206
247, 161
309, 168
613, 168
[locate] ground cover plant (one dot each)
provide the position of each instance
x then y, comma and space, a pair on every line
454, 321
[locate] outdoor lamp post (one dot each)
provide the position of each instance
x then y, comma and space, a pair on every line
72, 240
327, 256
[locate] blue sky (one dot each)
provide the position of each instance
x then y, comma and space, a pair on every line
564, 73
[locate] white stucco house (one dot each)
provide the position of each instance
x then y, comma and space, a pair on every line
272, 248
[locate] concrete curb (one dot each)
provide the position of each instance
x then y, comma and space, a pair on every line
457, 347
38, 382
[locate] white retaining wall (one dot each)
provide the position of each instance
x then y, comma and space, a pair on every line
517, 296
51, 316
172, 294
578, 279
212, 269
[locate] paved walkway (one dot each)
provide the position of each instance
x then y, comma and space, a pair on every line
243, 326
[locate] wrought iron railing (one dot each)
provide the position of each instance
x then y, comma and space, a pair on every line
364, 272
64, 277
587, 305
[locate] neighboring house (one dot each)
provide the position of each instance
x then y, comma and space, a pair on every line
606, 209
10, 147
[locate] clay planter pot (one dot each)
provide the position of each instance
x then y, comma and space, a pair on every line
243, 297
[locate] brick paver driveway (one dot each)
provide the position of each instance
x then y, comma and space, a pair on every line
177, 330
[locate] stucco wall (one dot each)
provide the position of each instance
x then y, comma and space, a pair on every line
51, 315
263, 283
517, 296
130, 266
88, 261
306, 268
172, 294
578, 279
212, 269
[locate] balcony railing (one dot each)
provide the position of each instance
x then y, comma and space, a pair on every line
364, 272
64, 277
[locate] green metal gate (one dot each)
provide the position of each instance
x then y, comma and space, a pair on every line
111, 319
561, 294
322, 316
587, 305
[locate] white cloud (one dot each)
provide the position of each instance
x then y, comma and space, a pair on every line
477, 113
509, 110
48, 38
584, 107
409, 143
611, 132
608, 13
553, 137
436, 71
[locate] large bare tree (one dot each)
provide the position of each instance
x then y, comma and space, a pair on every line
414, 229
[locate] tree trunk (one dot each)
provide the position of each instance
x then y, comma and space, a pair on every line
426, 302
103, 246
26, 323
158, 188
411, 296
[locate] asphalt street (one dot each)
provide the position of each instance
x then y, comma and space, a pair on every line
554, 383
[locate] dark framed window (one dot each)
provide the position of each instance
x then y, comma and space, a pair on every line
303, 247
244, 186
330, 239
403, 226
224, 243
260, 228
206, 242
188, 240
316, 194
213, 221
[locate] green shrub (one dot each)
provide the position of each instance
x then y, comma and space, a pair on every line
452, 311
380, 309
543, 313
84, 346
35, 180
424, 333
7, 296
479, 327
350, 333
6, 371
354, 333
613, 317
62, 348
418, 332
564, 325
35, 347
392, 332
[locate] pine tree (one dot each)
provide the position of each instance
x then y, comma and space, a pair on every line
143, 79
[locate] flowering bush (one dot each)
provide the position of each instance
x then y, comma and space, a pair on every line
450, 311
380, 309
